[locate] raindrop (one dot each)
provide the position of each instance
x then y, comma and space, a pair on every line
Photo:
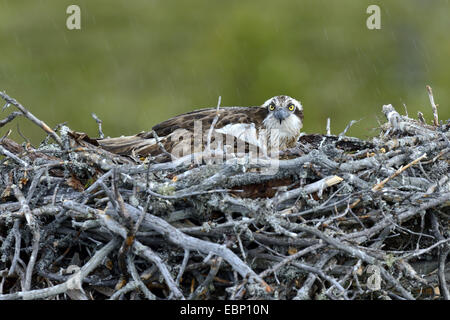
326, 33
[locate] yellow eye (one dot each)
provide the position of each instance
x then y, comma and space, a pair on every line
291, 107
271, 107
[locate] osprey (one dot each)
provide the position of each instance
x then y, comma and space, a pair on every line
274, 124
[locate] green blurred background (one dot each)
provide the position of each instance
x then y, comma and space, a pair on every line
137, 63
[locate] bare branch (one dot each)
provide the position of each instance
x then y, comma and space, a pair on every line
433, 106
31, 117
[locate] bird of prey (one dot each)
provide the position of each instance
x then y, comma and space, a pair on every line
275, 124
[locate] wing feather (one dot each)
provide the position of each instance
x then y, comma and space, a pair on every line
227, 115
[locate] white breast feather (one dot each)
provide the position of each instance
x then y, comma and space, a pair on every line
242, 131
279, 134
288, 129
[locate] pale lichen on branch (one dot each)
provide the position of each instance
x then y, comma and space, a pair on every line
338, 213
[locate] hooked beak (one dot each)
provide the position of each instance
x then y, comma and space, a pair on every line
281, 114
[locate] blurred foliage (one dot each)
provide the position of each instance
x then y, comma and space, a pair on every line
136, 63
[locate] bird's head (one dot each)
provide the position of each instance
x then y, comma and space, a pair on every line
285, 114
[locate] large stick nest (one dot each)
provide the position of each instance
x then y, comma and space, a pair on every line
342, 218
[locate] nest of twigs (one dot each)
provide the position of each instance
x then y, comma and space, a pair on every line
342, 218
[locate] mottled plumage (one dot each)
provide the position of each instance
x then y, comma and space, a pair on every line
278, 121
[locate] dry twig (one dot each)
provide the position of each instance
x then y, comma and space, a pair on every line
174, 230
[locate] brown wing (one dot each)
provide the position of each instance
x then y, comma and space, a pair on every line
125, 145
226, 115
183, 126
